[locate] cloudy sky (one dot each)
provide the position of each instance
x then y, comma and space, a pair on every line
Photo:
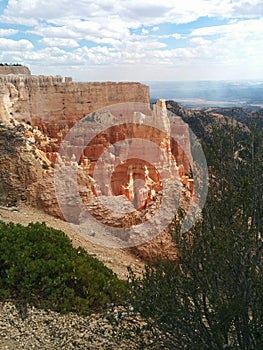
143, 40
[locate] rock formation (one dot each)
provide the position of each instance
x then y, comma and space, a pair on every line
55, 104
38, 114
14, 69
19, 166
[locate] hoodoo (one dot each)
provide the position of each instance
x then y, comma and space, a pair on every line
37, 113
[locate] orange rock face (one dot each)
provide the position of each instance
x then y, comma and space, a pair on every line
121, 159
118, 161
56, 104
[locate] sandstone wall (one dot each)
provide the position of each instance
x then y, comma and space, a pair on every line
57, 102
14, 70
27, 155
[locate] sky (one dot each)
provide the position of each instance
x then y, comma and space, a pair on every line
135, 40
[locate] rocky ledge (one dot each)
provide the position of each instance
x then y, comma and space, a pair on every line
14, 69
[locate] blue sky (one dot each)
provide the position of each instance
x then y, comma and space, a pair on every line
125, 40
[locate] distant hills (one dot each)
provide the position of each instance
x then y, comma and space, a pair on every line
247, 94
201, 120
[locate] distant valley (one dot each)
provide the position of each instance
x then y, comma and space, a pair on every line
192, 94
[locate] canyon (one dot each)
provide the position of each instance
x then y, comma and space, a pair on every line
83, 152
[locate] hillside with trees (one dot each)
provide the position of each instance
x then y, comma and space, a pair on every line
213, 299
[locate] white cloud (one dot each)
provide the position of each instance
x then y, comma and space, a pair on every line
247, 8
15, 45
132, 13
7, 32
176, 36
34, 8
101, 30
236, 46
12, 19
54, 32
200, 41
172, 35
243, 28
235, 41
59, 42
106, 29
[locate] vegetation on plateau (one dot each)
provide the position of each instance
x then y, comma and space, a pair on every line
10, 64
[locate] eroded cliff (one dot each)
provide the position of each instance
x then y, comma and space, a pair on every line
55, 102
14, 69
37, 114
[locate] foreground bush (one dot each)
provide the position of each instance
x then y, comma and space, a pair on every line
39, 266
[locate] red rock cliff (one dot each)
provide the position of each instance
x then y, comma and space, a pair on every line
54, 105
56, 102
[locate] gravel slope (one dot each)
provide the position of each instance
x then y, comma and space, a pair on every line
51, 331
48, 330
116, 259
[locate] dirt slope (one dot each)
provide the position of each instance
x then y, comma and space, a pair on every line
116, 259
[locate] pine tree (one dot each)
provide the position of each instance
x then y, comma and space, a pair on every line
213, 299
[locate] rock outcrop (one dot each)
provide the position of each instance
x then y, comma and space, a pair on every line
19, 165
14, 69
55, 104
109, 155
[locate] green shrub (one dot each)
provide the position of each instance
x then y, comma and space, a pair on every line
39, 266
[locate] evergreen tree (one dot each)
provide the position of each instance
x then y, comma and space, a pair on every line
213, 299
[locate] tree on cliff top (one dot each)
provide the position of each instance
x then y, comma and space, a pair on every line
213, 298
10, 64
